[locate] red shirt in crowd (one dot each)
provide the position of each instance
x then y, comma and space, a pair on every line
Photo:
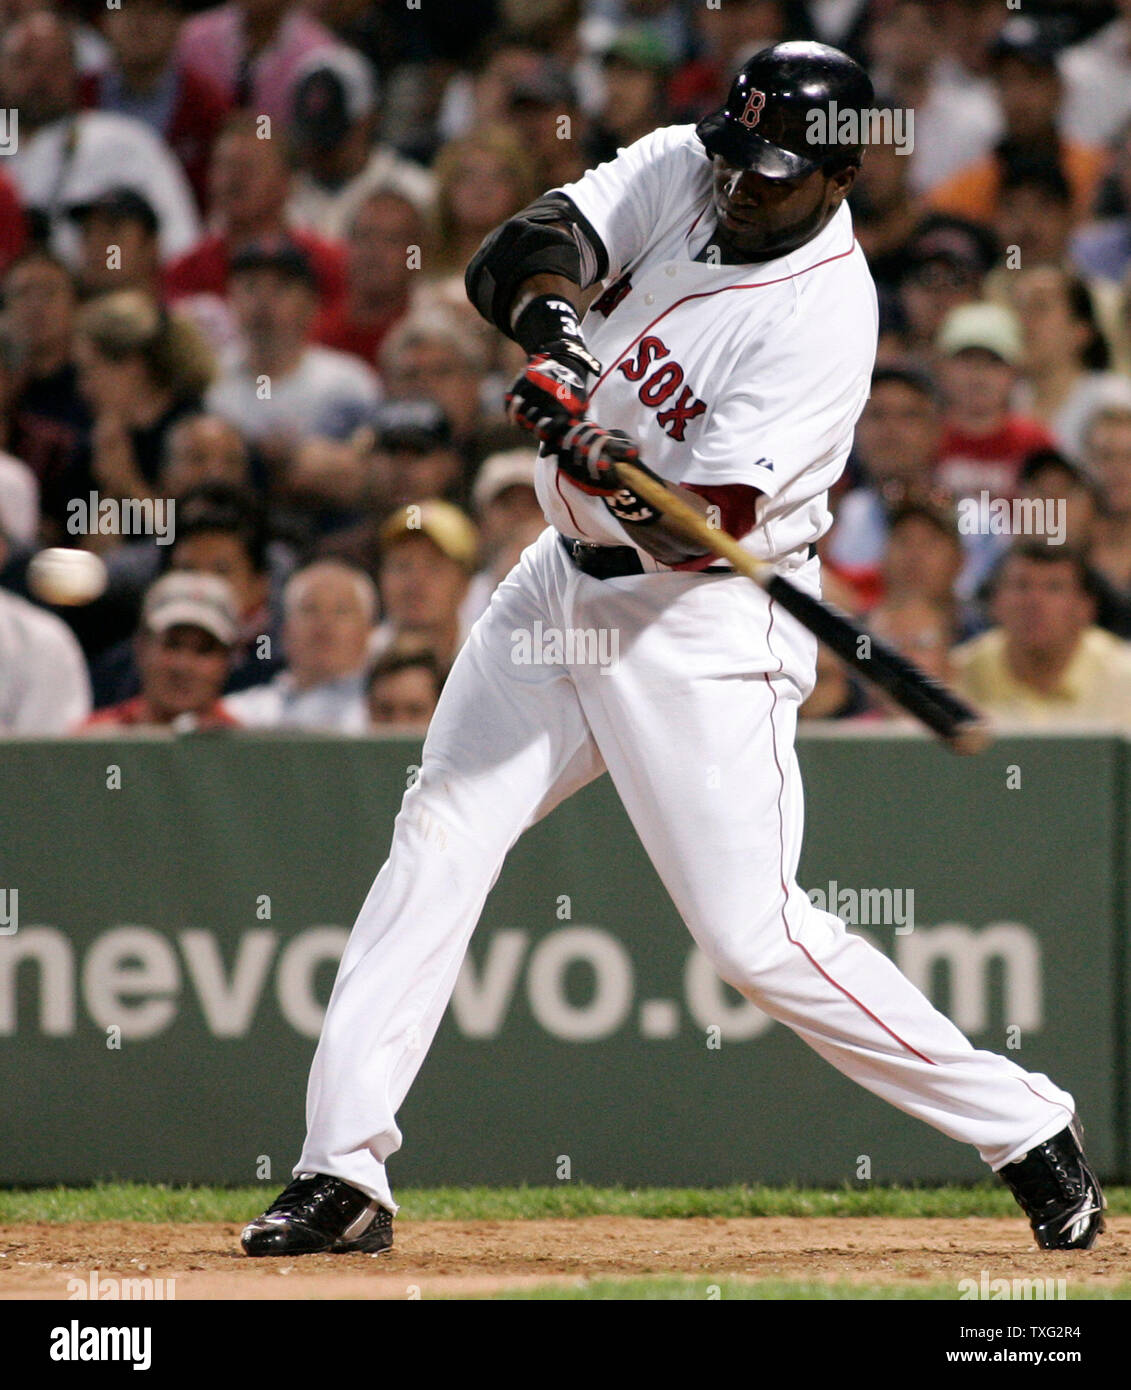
970, 463
204, 269
13, 227
335, 329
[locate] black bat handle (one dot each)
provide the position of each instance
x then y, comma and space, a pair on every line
940, 709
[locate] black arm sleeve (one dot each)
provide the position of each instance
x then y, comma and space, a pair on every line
533, 242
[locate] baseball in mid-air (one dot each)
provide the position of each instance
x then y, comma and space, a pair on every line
66, 577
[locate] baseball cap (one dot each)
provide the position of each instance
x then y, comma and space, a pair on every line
445, 526
550, 85
991, 327
511, 468
962, 244
639, 48
334, 89
1027, 40
413, 423
275, 253
120, 204
186, 598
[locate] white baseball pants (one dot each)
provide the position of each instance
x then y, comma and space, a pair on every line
695, 723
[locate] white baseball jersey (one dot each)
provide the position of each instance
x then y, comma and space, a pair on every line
725, 374
750, 374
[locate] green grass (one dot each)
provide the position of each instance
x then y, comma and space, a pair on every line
156, 1202
671, 1288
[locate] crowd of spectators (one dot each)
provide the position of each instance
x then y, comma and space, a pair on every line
232, 243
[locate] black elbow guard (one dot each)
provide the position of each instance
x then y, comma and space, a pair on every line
510, 255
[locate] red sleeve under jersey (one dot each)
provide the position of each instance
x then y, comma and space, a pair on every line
737, 504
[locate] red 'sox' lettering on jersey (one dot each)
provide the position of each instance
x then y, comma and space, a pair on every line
752, 111
659, 385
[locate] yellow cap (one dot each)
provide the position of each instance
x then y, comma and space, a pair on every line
445, 526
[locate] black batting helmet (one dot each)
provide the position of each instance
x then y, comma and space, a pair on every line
766, 122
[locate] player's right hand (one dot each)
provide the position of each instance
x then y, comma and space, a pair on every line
551, 393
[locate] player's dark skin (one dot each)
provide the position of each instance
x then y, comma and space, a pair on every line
758, 219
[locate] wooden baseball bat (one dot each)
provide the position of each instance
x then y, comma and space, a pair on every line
943, 712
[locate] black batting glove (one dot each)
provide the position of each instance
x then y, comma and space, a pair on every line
552, 392
588, 454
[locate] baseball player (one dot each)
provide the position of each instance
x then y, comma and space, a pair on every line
730, 353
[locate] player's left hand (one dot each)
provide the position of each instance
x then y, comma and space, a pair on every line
588, 455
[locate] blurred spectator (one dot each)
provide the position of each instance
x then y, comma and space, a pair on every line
923, 561
635, 100
118, 248
66, 156
40, 304
381, 273
972, 29
955, 122
545, 115
333, 133
885, 211
45, 448
920, 630
1097, 74
1066, 355
19, 501
510, 518
328, 612
481, 179
405, 456
1030, 92
897, 446
403, 688
1034, 213
253, 49
984, 440
183, 650
1050, 474
275, 385
44, 687
146, 81
203, 449
140, 371
427, 559
947, 264
836, 693
1045, 662
249, 181
1102, 249
726, 36
13, 223
413, 456
1107, 455
435, 354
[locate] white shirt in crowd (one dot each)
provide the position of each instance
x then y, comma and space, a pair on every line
329, 212
1097, 77
334, 707
78, 158
329, 393
44, 686
19, 500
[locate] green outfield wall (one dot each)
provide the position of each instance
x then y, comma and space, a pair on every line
172, 910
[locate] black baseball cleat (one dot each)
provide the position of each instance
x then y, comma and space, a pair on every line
318, 1213
1058, 1192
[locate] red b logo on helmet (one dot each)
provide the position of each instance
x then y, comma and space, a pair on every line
752, 112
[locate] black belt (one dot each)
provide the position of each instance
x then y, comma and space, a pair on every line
616, 561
